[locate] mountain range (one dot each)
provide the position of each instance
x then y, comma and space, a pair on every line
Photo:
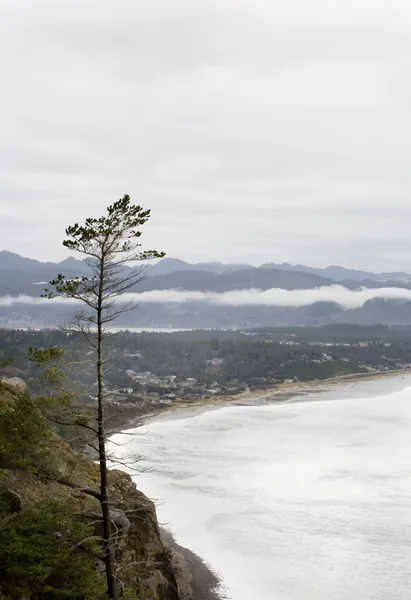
334, 272
19, 275
70, 266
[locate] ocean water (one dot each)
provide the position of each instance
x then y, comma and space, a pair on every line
301, 501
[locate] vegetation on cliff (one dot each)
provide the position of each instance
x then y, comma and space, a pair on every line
50, 524
45, 552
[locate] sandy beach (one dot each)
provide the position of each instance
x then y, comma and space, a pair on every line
298, 391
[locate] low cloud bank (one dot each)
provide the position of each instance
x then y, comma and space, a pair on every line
273, 297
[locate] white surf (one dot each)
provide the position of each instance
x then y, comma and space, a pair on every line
305, 501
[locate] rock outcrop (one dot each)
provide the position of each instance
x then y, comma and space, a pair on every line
15, 383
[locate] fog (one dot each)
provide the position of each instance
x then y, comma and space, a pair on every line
273, 297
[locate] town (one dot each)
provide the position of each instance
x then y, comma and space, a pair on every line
146, 371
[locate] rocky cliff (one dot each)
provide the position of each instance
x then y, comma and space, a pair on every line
145, 564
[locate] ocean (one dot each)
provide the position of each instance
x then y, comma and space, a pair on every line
305, 500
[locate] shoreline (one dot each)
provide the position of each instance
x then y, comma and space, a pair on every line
279, 394
199, 581
204, 583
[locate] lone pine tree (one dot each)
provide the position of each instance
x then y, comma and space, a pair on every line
111, 248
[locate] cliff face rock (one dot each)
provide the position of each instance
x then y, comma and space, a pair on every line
15, 384
145, 563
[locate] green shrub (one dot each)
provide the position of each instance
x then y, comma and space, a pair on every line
45, 554
23, 431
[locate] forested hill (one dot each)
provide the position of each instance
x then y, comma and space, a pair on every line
231, 359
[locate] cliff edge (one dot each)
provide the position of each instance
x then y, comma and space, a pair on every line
147, 567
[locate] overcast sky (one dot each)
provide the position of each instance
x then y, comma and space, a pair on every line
255, 130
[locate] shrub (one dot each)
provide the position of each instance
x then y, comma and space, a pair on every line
23, 431
45, 554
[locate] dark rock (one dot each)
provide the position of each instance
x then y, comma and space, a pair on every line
13, 500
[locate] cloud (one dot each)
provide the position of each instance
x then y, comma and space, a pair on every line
347, 298
23, 299
256, 130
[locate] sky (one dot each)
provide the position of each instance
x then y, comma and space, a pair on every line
255, 130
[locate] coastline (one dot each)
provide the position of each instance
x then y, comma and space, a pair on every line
280, 394
199, 580
204, 583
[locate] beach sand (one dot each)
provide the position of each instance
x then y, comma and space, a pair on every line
361, 384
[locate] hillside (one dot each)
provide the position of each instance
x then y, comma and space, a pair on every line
44, 469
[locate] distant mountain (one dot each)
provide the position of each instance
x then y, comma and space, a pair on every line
252, 278
335, 272
379, 311
73, 265
167, 266
172, 265
19, 275
10, 260
341, 273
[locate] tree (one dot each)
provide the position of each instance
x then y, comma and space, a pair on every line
111, 247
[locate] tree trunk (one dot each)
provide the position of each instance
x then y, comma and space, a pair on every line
105, 507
